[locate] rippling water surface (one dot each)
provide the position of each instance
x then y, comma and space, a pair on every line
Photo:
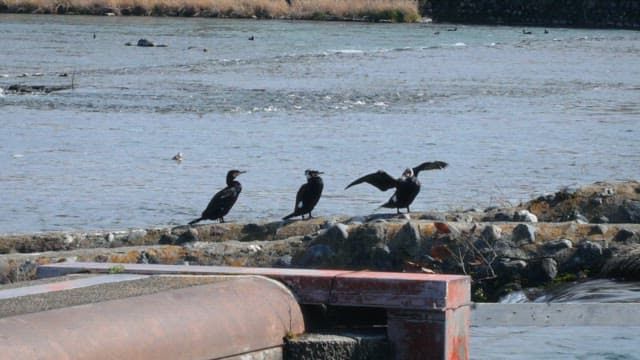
514, 115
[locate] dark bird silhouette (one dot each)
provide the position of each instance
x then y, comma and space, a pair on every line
526, 32
308, 195
407, 186
252, 37
223, 200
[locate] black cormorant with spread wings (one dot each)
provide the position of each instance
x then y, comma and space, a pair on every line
407, 186
223, 200
308, 195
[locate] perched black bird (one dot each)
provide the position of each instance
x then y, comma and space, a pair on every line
407, 186
308, 195
223, 200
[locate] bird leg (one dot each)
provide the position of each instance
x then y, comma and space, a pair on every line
221, 220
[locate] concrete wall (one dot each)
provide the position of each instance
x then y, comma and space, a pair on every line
566, 13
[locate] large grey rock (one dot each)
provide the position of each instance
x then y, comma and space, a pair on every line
553, 246
316, 255
524, 234
629, 211
407, 241
491, 233
525, 216
507, 250
549, 268
624, 235
339, 346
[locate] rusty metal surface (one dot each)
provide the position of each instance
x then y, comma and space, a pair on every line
212, 321
401, 290
428, 335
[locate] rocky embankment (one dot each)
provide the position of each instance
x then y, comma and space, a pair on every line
593, 231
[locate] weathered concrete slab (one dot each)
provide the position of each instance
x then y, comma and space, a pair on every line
90, 289
66, 285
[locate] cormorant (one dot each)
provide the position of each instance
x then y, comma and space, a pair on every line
407, 186
223, 200
308, 195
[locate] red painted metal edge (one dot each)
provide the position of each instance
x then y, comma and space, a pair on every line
336, 287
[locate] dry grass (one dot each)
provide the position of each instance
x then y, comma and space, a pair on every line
367, 10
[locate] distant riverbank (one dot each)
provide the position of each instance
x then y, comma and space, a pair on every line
356, 10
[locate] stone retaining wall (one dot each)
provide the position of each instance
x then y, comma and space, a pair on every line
576, 233
564, 13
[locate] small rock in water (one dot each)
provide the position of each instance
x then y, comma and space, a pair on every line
145, 43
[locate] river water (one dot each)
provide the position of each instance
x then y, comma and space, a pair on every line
515, 116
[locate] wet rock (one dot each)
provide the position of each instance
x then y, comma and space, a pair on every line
625, 266
357, 220
552, 247
579, 218
624, 235
588, 255
382, 259
506, 250
524, 234
168, 239
316, 255
491, 233
629, 211
598, 230
549, 268
146, 258
525, 216
284, 261
136, 237
5, 271
406, 243
499, 216
338, 232
25, 271
600, 220
433, 216
511, 268
191, 235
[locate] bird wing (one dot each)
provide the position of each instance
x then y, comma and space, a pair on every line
300, 196
379, 179
222, 199
429, 165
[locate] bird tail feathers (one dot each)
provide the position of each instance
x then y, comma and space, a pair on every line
195, 221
